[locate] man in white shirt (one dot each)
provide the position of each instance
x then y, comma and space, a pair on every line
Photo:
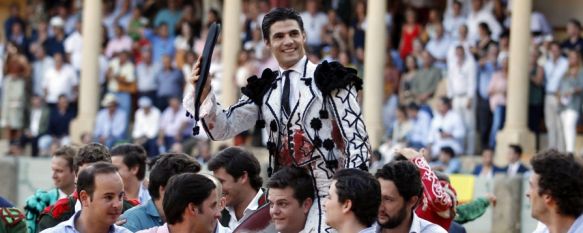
121, 42
401, 193
239, 173
452, 22
353, 203
174, 127
40, 67
146, 125
421, 121
74, 47
461, 88
446, 129
555, 68
146, 75
481, 14
314, 21
60, 80
438, 46
121, 78
515, 167
560, 210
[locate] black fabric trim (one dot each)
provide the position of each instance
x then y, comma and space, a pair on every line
257, 87
332, 76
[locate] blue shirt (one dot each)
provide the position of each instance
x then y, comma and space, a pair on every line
169, 17
421, 126
169, 83
69, 227
142, 217
484, 76
160, 46
110, 127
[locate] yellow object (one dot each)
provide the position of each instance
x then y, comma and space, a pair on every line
464, 186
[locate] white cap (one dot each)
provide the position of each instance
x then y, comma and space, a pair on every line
57, 22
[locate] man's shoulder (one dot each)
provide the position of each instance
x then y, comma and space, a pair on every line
136, 212
429, 227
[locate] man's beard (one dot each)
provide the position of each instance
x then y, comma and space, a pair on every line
395, 221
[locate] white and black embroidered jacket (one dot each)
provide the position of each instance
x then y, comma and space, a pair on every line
324, 130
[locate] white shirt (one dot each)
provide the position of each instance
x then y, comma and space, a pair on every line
253, 205
313, 25
60, 82
146, 75
438, 47
172, 121
126, 70
295, 76
451, 24
461, 79
449, 123
39, 69
576, 227
146, 125
475, 18
69, 226
513, 168
35, 115
554, 72
74, 46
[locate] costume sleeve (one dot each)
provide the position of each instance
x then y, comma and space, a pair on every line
349, 119
221, 124
433, 192
471, 211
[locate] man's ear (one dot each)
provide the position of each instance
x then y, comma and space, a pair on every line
549, 201
413, 202
84, 198
307, 205
191, 209
134, 170
244, 178
346, 206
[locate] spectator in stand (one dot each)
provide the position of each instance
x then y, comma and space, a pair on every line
452, 22
136, 23
447, 162
555, 69
169, 83
555, 191
430, 29
461, 40
60, 80
411, 31
60, 120
353, 203
151, 213
174, 126
69, 18
55, 43
497, 90
425, 82
504, 46
13, 18
121, 80
162, 43
39, 35
183, 43
486, 69
487, 168
146, 126
16, 69
401, 193
36, 128
406, 96
111, 122
19, 37
314, 22
481, 14
146, 75
574, 40
74, 47
169, 16
119, 43
421, 125
570, 89
401, 128
536, 95
130, 161
515, 166
480, 48
446, 129
438, 46
41, 65
461, 88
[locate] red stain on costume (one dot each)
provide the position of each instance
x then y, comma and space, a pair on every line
303, 150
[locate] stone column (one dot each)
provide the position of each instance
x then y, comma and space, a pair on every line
515, 128
374, 62
89, 85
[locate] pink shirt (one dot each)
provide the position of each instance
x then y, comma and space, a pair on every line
497, 90
160, 229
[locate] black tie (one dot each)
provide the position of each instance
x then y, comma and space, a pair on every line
285, 95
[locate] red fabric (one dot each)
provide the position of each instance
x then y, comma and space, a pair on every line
133, 202
435, 197
407, 38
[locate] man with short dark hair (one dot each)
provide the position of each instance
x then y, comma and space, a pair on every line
291, 195
130, 160
447, 128
401, 193
515, 167
151, 214
309, 112
558, 209
64, 180
239, 173
353, 203
191, 204
100, 191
